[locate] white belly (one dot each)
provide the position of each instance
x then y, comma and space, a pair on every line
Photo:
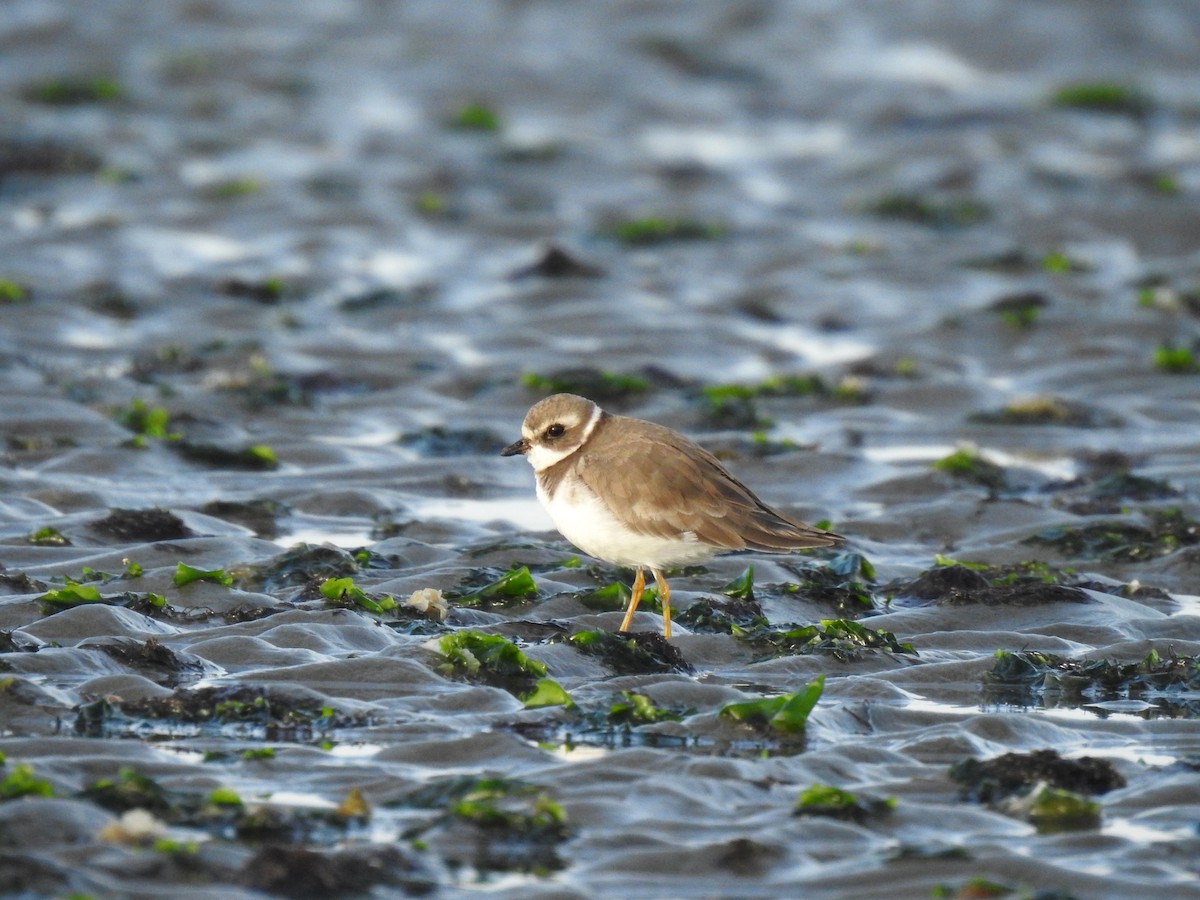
587, 523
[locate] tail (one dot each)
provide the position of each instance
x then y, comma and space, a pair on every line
784, 536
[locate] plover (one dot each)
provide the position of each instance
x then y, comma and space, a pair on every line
637, 494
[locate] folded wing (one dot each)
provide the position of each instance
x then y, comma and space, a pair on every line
670, 486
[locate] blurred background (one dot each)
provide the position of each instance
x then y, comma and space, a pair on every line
381, 217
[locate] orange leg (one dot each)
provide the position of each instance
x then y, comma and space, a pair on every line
635, 597
664, 594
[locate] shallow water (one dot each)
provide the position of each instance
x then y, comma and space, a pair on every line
276, 236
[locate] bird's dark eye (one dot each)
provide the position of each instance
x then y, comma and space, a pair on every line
555, 431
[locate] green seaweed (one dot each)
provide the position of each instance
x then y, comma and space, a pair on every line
611, 596
148, 604
1166, 183
513, 587
787, 712
966, 463
1058, 262
129, 790
931, 211
1176, 360
75, 90
651, 230
145, 420
12, 292
852, 565
343, 592
836, 803
88, 574
1102, 97
48, 537
233, 188
546, 693
732, 405
72, 595
225, 796
638, 709
1053, 811
22, 782
476, 116
432, 203
596, 384
491, 659
185, 574
730, 408
1020, 311
742, 587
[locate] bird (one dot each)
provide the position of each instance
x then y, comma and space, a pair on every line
637, 494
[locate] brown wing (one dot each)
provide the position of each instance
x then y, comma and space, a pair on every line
666, 485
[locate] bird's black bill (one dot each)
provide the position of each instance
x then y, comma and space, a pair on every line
515, 447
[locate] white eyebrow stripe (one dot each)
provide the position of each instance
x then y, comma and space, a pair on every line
597, 412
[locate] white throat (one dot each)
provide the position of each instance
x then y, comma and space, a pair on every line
542, 457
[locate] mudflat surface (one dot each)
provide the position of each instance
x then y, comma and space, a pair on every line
278, 281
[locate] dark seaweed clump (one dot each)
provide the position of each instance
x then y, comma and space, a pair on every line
843, 639
153, 524
986, 781
303, 565
493, 824
1161, 533
301, 872
1167, 683
439, 441
1048, 411
631, 653
260, 516
1022, 584
556, 262
722, 616
153, 659
1051, 793
274, 714
836, 803
287, 864
845, 583
490, 659
1110, 492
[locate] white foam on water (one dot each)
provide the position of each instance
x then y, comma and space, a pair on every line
526, 514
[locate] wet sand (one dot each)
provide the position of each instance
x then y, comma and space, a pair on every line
276, 286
